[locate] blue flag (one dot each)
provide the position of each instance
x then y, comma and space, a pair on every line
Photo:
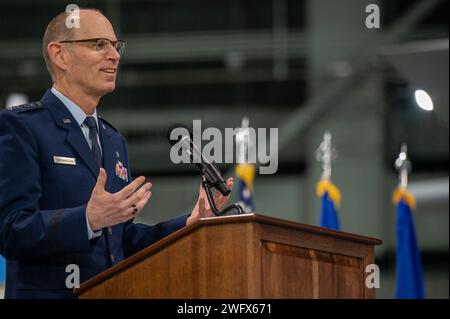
330, 197
329, 217
410, 281
246, 174
2, 270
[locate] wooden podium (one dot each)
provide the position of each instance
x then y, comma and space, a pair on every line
245, 256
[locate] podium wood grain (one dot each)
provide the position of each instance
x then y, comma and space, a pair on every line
246, 256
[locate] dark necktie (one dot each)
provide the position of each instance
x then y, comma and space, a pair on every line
93, 136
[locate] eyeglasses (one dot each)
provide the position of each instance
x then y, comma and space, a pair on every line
102, 45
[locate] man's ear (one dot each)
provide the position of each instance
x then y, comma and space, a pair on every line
58, 55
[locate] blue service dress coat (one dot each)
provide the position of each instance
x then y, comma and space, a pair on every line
43, 202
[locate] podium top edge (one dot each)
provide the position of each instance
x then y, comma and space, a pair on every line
274, 221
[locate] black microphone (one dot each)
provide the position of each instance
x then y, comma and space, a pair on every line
207, 168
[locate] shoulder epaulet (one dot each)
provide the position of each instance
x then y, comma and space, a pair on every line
25, 107
107, 123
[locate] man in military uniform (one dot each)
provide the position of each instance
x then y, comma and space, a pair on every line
66, 192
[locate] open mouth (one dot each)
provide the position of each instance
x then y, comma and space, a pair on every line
109, 70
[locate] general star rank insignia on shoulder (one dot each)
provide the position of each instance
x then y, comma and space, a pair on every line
121, 171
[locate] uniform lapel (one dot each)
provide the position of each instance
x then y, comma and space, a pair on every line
75, 137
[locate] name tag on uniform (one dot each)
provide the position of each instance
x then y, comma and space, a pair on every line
64, 160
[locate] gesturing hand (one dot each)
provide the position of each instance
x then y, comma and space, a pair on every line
105, 209
202, 207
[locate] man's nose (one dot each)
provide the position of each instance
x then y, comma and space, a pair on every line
113, 54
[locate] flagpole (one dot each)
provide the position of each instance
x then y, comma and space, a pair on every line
243, 140
403, 165
328, 193
409, 272
325, 154
245, 169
